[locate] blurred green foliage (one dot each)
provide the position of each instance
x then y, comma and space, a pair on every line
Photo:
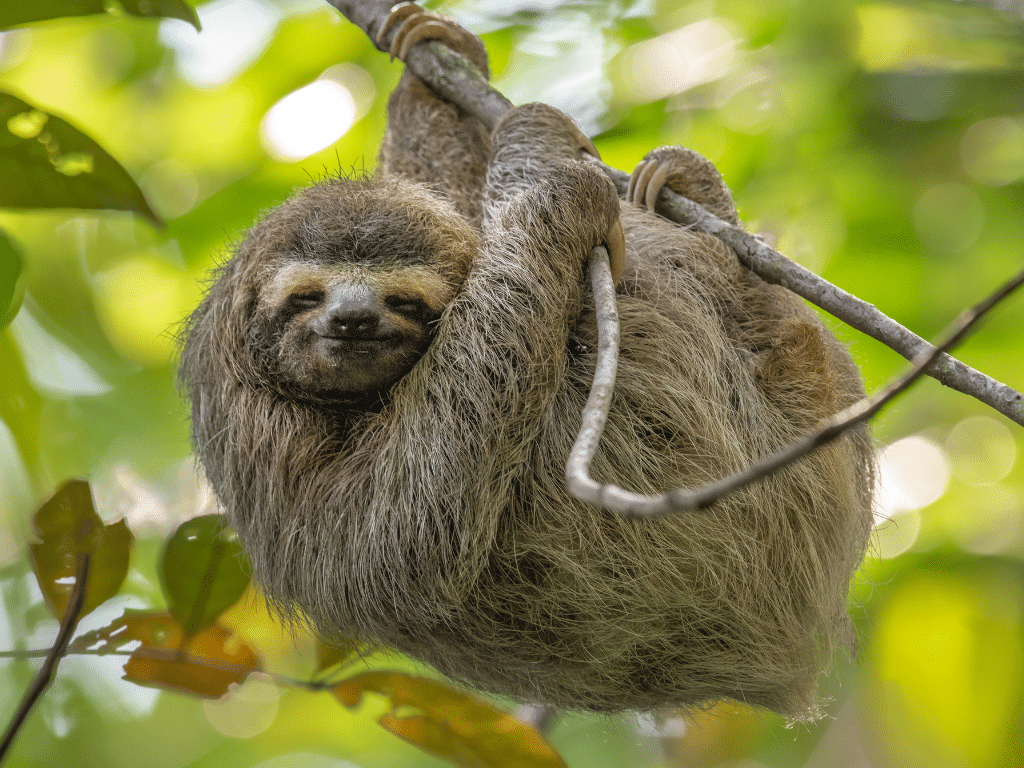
881, 144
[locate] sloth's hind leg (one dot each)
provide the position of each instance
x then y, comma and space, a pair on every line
685, 172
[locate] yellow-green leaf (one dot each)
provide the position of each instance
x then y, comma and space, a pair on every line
451, 724
68, 527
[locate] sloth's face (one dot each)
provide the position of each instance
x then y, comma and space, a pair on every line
347, 330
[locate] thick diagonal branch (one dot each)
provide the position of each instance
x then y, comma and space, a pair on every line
455, 79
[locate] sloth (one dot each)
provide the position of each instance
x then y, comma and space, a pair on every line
387, 376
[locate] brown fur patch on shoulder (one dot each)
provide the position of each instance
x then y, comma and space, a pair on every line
797, 370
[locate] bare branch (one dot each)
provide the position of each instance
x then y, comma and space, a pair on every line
455, 79
681, 499
772, 267
46, 672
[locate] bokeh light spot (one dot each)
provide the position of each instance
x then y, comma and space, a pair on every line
991, 524
677, 61
992, 151
895, 535
308, 120
912, 473
172, 187
949, 218
981, 450
245, 710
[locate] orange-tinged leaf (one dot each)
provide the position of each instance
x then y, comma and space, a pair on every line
68, 527
451, 724
203, 571
434, 739
204, 665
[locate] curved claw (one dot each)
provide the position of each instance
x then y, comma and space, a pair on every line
631, 189
413, 31
647, 182
615, 242
654, 185
638, 181
399, 12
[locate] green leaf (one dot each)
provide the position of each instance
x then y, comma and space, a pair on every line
203, 571
68, 527
11, 264
170, 9
46, 162
13, 13
451, 724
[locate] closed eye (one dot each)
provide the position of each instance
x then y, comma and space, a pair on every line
302, 300
407, 304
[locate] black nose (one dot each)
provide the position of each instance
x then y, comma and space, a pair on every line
352, 313
353, 324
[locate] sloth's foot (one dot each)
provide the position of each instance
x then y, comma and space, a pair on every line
685, 172
416, 24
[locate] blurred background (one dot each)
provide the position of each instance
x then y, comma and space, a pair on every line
880, 144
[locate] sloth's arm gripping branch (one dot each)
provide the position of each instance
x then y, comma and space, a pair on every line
474, 405
504, 337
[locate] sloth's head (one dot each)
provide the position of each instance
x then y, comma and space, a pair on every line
335, 294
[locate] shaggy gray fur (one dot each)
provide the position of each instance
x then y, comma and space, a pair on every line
436, 521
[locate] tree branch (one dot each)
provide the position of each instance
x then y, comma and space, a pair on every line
630, 504
46, 672
455, 79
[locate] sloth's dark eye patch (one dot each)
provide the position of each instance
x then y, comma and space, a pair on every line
302, 300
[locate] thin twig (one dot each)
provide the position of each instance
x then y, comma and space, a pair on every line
595, 412
179, 654
47, 671
455, 79
681, 499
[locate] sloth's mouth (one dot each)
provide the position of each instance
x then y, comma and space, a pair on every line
379, 345
362, 345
